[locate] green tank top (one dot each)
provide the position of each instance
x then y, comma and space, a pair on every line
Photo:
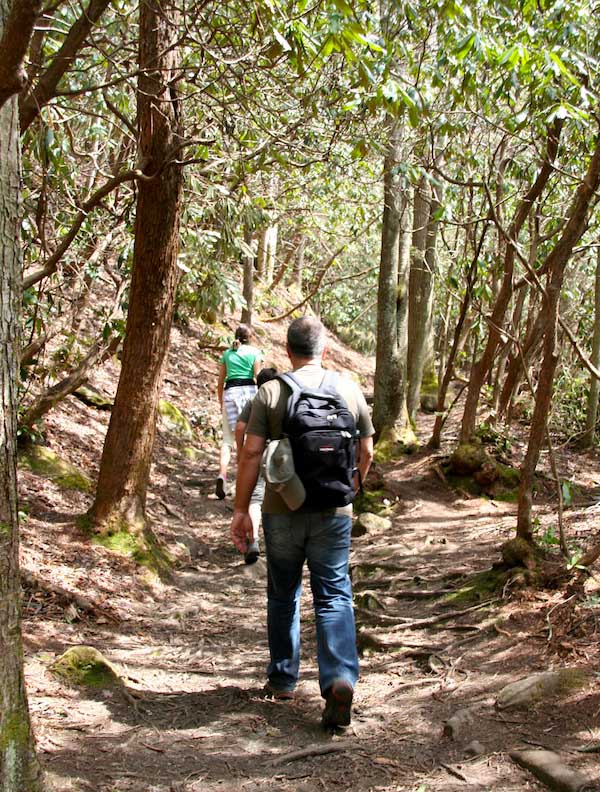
239, 363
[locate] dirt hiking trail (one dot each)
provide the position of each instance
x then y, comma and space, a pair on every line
192, 715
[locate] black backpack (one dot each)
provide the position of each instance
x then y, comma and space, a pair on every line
322, 432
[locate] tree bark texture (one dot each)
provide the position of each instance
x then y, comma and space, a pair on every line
248, 280
480, 369
19, 769
421, 359
555, 265
127, 453
389, 398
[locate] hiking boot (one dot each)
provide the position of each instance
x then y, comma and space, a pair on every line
338, 704
220, 488
278, 693
252, 553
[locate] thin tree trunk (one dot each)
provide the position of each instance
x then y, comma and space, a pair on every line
261, 253
480, 369
420, 299
592, 402
299, 263
555, 264
504, 357
515, 366
126, 458
458, 339
270, 252
248, 282
19, 769
389, 399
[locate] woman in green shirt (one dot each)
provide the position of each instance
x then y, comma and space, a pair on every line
238, 368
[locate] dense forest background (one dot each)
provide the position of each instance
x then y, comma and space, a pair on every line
423, 177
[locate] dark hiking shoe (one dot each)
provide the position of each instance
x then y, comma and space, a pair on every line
338, 704
252, 553
278, 693
220, 488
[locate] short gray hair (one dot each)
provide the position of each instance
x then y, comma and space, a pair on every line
306, 337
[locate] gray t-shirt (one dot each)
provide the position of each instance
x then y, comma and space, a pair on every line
268, 411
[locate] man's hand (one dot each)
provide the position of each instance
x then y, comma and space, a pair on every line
241, 530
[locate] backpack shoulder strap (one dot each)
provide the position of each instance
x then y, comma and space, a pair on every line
290, 381
296, 389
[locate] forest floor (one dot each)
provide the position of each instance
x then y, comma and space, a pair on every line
193, 717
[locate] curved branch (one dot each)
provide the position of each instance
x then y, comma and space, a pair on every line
47, 84
13, 46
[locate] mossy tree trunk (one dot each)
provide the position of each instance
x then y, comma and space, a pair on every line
422, 376
419, 299
389, 398
555, 264
19, 768
125, 466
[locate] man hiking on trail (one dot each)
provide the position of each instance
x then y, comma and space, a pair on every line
299, 522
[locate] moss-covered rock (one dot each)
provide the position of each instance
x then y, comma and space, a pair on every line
370, 501
468, 458
94, 397
373, 523
174, 420
506, 486
42, 461
542, 686
86, 666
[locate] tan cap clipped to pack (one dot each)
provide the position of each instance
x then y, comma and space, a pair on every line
281, 475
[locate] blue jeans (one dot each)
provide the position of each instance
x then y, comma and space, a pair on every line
323, 540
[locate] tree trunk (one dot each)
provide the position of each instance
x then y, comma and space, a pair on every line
389, 400
261, 253
19, 769
516, 371
592, 402
503, 365
248, 282
125, 467
555, 264
299, 263
270, 252
457, 341
420, 300
480, 369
